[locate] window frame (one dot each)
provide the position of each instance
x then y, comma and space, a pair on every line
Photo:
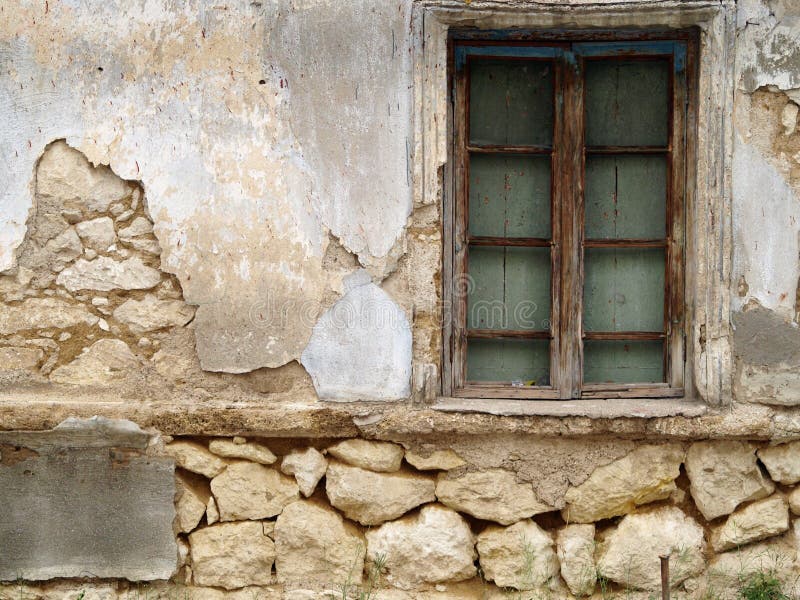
567, 210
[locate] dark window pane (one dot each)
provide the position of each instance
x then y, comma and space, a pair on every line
626, 197
509, 196
623, 361
627, 102
511, 102
623, 289
522, 362
509, 288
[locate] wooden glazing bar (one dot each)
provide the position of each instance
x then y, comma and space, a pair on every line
500, 149
506, 241
632, 336
523, 334
627, 149
625, 243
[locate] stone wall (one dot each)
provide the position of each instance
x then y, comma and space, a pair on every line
277, 518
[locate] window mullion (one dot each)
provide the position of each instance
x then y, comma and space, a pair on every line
569, 183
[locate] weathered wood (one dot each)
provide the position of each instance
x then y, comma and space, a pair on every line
511, 102
624, 289
525, 334
507, 149
569, 197
628, 361
626, 197
510, 241
627, 102
509, 196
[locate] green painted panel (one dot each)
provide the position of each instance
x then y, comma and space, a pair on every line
623, 289
509, 195
623, 361
523, 361
509, 288
511, 102
627, 102
626, 196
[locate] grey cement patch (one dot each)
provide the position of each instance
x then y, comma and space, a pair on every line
79, 506
762, 337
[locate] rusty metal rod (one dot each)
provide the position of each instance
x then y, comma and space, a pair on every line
664, 577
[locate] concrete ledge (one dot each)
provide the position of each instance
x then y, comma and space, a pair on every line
302, 416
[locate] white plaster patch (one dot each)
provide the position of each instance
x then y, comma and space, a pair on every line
766, 215
361, 348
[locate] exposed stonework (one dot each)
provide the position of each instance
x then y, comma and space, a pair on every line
434, 546
104, 362
315, 546
645, 475
755, 522
442, 460
373, 498
629, 554
494, 495
193, 497
373, 456
782, 462
196, 458
241, 448
232, 555
247, 490
723, 475
575, 549
307, 466
520, 556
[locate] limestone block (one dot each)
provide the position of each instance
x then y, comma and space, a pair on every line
782, 462
794, 501
152, 313
65, 247
139, 226
43, 313
66, 175
315, 546
361, 348
97, 234
755, 522
195, 458
232, 555
16, 357
372, 498
192, 497
251, 451
629, 555
248, 490
373, 456
723, 474
442, 460
104, 362
520, 556
308, 467
146, 245
434, 546
105, 274
645, 475
212, 512
494, 495
575, 549
729, 569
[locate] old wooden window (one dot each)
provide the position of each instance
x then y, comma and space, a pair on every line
568, 220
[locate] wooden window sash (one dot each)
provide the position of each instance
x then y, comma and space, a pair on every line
567, 244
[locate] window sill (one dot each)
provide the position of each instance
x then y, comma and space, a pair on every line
640, 408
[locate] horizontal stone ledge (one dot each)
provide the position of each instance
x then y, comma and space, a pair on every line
287, 415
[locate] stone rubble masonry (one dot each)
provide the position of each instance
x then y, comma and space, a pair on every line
629, 554
575, 549
372, 456
246, 490
782, 462
645, 475
493, 495
232, 555
520, 556
757, 521
723, 474
437, 460
434, 546
89, 268
195, 457
373, 498
252, 451
308, 467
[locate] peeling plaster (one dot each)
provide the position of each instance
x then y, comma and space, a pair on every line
198, 102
